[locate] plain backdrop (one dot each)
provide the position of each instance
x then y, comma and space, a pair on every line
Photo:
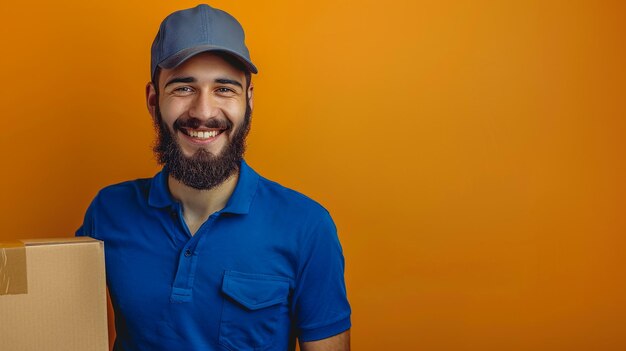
472, 153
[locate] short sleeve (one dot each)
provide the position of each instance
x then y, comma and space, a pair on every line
88, 227
320, 300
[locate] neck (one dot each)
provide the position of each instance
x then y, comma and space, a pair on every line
198, 205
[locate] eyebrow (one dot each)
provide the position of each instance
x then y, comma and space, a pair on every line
180, 80
228, 81
193, 80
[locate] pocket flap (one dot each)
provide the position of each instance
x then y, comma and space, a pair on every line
255, 291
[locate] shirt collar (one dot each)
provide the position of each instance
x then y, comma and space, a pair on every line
239, 201
159, 195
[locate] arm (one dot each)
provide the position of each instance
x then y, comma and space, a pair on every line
339, 342
319, 300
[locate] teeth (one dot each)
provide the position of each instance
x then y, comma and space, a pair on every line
202, 135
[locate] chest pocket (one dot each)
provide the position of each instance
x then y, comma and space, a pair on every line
255, 307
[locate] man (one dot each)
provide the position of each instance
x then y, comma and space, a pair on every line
208, 255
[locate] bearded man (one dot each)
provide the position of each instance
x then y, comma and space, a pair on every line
207, 254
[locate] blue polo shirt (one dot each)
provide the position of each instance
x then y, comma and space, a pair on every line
263, 271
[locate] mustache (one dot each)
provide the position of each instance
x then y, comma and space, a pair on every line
194, 123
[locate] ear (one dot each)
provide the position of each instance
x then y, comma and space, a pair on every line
251, 96
151, 99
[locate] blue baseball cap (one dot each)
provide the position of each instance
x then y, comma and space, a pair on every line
188, 32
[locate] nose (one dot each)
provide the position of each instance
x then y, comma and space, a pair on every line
203, 106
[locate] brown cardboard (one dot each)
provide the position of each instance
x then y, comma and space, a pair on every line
64, 307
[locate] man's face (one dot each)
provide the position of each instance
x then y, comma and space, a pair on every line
202, 114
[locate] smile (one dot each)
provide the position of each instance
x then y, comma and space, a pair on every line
202, 134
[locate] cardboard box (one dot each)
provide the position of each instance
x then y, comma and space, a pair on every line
53, 295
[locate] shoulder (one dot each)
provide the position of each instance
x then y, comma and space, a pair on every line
290, 201
298, 215
124, 191
112, 203
125, 197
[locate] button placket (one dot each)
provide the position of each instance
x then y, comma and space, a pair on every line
182, 287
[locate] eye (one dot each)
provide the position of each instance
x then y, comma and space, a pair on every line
183, 90
225, 91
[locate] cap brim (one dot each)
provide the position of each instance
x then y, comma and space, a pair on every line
183, 55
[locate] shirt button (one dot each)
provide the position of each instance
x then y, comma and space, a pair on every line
187, 253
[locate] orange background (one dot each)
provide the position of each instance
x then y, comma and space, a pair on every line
471, 152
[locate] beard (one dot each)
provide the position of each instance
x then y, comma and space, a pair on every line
203, 170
